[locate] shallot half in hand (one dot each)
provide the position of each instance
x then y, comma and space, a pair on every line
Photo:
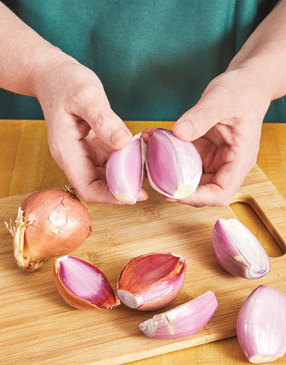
174, 167
49, 223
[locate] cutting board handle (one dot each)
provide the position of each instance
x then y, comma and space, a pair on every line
267, 203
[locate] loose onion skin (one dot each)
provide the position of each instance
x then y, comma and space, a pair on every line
49, 223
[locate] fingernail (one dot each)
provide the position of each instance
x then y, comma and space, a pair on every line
120, 137
185, 127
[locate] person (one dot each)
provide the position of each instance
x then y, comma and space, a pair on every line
154, 57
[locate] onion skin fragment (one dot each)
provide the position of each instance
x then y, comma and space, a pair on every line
238, 251
181, 321
261, 325
103, 296
49, 223
152, 281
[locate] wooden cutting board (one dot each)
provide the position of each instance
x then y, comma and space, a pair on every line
37, 327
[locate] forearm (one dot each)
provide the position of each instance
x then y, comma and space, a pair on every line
264, 56
23, 53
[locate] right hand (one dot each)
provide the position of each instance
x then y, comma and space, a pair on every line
82, 128
225, 126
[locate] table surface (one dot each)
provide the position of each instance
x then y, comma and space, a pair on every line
26, 165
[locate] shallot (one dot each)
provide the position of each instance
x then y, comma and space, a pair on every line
49, 223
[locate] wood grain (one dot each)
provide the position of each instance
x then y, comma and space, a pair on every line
26, 165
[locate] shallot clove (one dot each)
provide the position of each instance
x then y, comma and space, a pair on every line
82, 285
124, 171
182, 321
238, 251
151, 281
174, 167
49, 223
261, 325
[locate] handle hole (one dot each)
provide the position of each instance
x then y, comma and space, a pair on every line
247, 215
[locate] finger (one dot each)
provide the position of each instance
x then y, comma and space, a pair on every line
93, 106
205, 179
198, 120
143, 195
221, 186
82, 129
147, 133
74, 158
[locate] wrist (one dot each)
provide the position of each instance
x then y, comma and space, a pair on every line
253, 72
260, 72
47, 59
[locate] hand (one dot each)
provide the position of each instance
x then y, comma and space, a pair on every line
225, 126
82, 127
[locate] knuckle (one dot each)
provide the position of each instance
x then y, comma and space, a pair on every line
86, 197
83, 193
222, 94
98, 116
203, 120
85, 94
219, 90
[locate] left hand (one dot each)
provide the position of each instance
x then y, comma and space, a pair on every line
225, 126
82, 128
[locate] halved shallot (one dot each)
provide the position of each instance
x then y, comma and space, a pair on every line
152, 281
82, 285
174, 167
238, 251
261, 325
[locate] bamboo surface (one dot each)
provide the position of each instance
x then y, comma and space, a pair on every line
26, 165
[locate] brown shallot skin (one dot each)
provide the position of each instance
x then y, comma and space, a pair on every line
53, 217
56, 223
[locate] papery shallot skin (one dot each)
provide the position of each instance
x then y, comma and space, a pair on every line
174, 167
49, 227
238, 251
124, 171
49, 223
82, 285
151, 281
261, 325
182, 321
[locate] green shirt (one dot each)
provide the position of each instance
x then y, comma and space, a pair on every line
154, 57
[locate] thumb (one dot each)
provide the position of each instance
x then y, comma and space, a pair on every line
198, 120
107, 126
